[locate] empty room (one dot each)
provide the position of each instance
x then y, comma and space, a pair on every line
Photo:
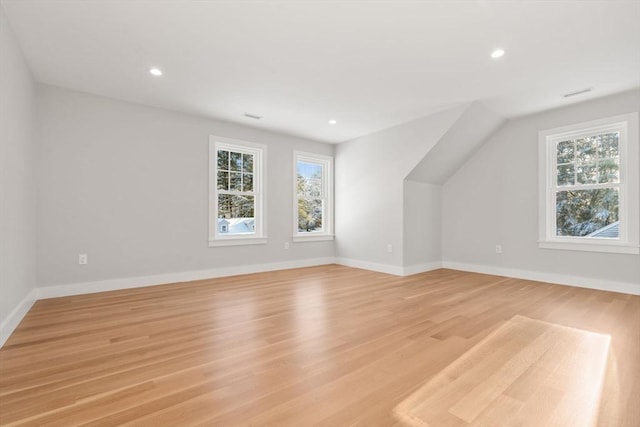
320, 213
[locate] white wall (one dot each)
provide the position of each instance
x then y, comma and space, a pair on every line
370, 174
422, 225
128, 185
17, 185
493, 199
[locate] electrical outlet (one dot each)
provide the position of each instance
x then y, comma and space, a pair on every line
82, 259
286, 245
389, 248
498, 249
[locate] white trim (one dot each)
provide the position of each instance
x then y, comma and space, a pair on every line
629, 186
312, 238
590, 246
238, 241
162, 279
390, 269
11, 322
259, 152
420, 268
328, 195
558, 279
186, 276
15, 317
372, 266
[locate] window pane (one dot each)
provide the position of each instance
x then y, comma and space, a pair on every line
586, 149
309, 215
565, 152
608, 145
587, 174
565, 174
308, 171
223, 160
235, 181
223, 180
586, 212
236, 214
247, 163
313, 188
247, 182
309, 179
608, 170
236, 161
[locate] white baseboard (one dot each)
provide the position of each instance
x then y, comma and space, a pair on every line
366, 265
13, 319
421, 268
559, 279
159, 279
11, 322
389, 269
186, 276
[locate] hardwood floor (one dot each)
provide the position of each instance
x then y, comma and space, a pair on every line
329, 345
528, 372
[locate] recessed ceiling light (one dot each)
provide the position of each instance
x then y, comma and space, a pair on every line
156, 71
497, 53
332, 122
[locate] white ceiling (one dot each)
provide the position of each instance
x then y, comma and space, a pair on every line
367, 64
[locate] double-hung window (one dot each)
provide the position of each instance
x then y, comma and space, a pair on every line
313, 197
236, 193
589, 186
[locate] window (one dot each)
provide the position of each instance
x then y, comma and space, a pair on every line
236, 195
313, 197
589, 186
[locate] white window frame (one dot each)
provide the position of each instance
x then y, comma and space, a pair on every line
259, 236
628, 241
327, 190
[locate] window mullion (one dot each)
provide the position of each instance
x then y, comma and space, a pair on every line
575, 160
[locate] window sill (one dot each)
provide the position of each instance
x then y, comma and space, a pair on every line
238, 241
611, 247
312, 238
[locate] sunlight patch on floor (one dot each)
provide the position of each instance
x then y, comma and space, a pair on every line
526, 373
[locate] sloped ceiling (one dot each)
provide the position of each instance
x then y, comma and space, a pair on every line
457, 145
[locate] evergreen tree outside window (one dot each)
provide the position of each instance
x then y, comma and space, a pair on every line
313, 197
589, 186
236, 213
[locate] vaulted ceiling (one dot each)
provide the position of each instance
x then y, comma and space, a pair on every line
367, 64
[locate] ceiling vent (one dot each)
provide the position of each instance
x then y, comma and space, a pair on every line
579, 92
252, 116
